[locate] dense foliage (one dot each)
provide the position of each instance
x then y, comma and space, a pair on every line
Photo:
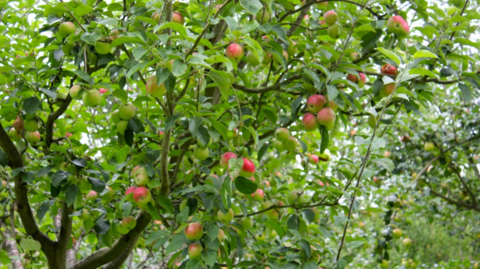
239, 134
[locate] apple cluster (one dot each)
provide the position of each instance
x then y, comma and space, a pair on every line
28, 128
325, 115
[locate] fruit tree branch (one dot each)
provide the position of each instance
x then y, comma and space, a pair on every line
300, 206
274, 87
470, 192
75, 19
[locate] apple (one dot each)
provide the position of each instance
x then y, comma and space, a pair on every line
407, 242
234, 51
227, 217
67, 28
414, 175
334, 30
330, 17
291, 50
178, 18
91, 98
263, 16
290, 144
225, 158
115, 118
85, 214
248, 168
126, 111
194, 231
102, 47
3, 185
326, 117
153, 89
398, 25
114, 34
18, 124
156, 17
92, 195
309, 122
32, 137
315, 103
201, 153
108, 196
221, 235
247, 223
122, 229
31, 125
195, 251
258, 195
313, 159
316, 213
122, 126
267, 58
384, 264
140, 176
294, 197
389, 69
130, 190
429, 146
332, 105
387, 89
67, 48
103, 90
372, 121
14, 134
360, 81
354, 56
252, 59
129, 222
376, 180
278, 146
397, 233
141, 196
282, 134
74, 90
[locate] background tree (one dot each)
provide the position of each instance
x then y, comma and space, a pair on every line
239, 134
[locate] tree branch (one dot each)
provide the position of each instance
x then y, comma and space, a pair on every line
274, 87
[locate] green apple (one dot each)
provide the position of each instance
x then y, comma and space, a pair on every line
201, 153
115, 118
153, 89
397, 233
122, 126
282, 134
91, 98
247, 223
126, 111
290, 144
67, 28
129, 222
429, 146
31, 125
102, 47
294, 197
122, 229
74, 90
225, 218
85, 214
108, 195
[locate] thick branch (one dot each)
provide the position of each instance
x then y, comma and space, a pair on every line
65, 234
53, 117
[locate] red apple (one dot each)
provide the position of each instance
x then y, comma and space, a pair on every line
258, 195
326, 117
195, 251
141, 196
248, 168
103, 90
309, 122
234, 51
315, 103
398, 25
92, 195
130, 190
389, 69
330, 17
354, 78
225, 158
177, 18
313, 159
194, 231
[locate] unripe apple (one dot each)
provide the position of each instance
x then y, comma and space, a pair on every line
267, 58
326, 117
14, 134
67, 28
397, 233
334, 30
387, 89
414, 175
315, 103
108, 196
122, 126
225, 158
92, 195
330, 17
282, 134
248, 168
153, 89
102, 47
258, 195
130, 190
294, 197
67, 48
247, 223
195, 251
398, 25
126, 111
32, 137
278, 146
178, 18
309, 122
85, 214
429, 146
31, 125
141, 196
156, 17
201, 153
221, 235
91, 98
252, 59
122, 229
407, 242
372, 121
384, 264
227, 217
234, 51
389, 69
316, 214
18, 124
290, 144
194, 231
129, 222
140, 176
74, 90
263, 16
313, 159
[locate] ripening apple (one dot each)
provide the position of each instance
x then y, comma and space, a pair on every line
376, 180
252, 59
3, 185
354, 78
140, 176
290, 144
227, 217
234, 51
225, 158
74, 90
372, 121
398, 25
282, 134
102, 47
92, 195
178, 18
354, 56
334, 30
294, 197
397, 233
153, 89
156, 17
389, 69
18, 124
129, 191
142, 196
122, 126
248, 168
195, 251
332, 105
126, 111
330, 17
429, 146
387, 89
194, 231
32, 137
247, 223
201, 153
309, 122
129, 222
258, 195
114, 34
91, 98
263, 16
67, 28
267, 58
221, 235
14, 134
291, 50
108, 196
313, 159
326, 117
85, 214
315, 103
407, 242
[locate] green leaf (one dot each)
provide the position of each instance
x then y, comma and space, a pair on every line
424, 54
466, 92
82, 75
138, 52
59, 177
222, 80
176, 243
252, 6
245, 186
325, 138
171, 121
390, 54
31, 105
176, 27
183, 215
305, 248
165, 203
97, 184
71, 194
386, 163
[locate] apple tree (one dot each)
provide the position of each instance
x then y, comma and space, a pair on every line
233, 133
